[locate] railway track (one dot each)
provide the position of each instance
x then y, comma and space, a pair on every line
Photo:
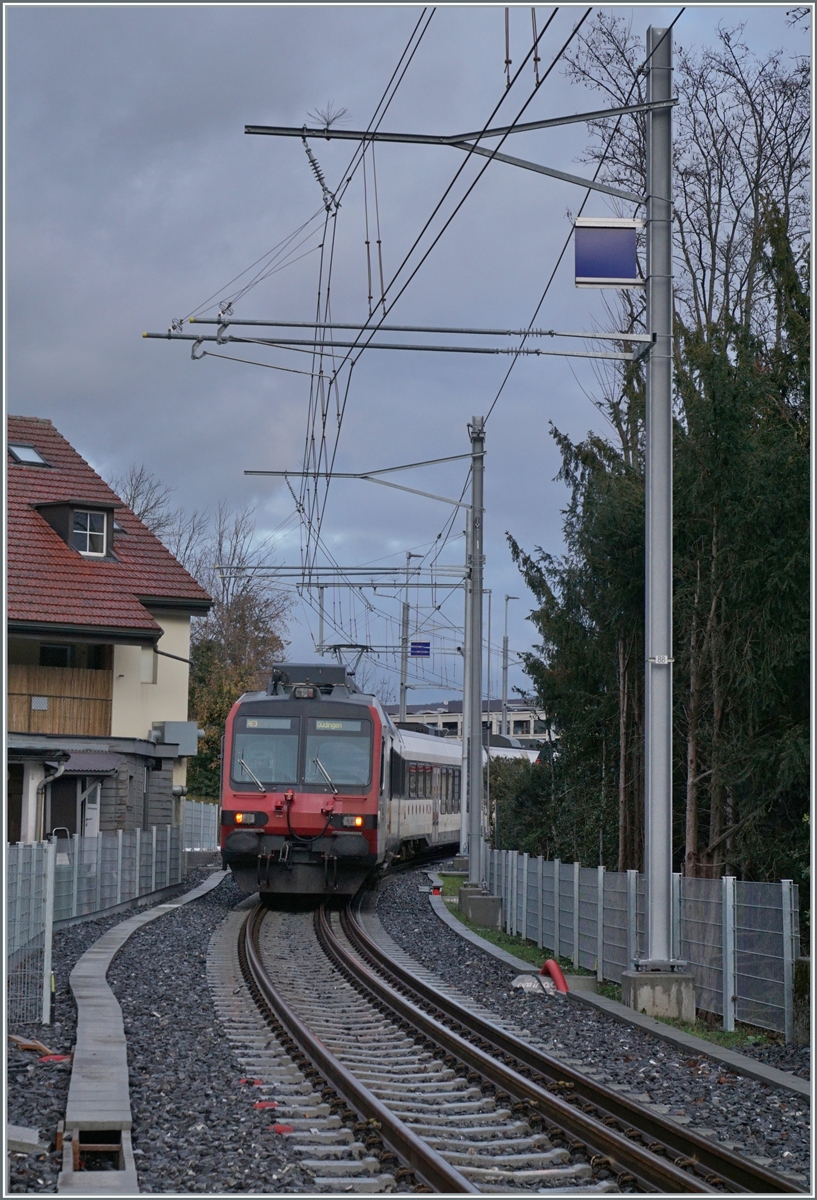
438, 1098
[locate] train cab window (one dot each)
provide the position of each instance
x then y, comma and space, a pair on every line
412, 780
266, 750
343, 748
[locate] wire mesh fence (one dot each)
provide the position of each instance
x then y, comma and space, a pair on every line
73, 877
740, 940
29, 920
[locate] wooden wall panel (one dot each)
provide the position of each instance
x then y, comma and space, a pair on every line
79, 701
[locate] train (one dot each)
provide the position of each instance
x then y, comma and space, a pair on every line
320, 787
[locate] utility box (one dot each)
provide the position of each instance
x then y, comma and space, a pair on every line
185, 734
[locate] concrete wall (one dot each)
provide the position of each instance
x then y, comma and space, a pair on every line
148, 687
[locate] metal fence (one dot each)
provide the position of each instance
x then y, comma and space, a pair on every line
74, 877
201, 825
740, 940
92, 874
29, 924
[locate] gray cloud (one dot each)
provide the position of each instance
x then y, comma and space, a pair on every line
133, 195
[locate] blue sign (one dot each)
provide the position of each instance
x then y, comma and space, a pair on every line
606, 253
421, 649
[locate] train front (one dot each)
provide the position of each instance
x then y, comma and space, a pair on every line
300, 785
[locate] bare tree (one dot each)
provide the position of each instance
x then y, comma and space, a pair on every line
148, 498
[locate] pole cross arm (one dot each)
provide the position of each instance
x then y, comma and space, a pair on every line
431, 139
400, 487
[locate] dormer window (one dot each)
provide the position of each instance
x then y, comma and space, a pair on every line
27, 455
88, 532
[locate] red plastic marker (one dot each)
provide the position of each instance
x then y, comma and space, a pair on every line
266, 1104
55, 1058
281, 1128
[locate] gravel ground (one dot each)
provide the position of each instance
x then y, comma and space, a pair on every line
194, 1125
36, 1092
739, 1112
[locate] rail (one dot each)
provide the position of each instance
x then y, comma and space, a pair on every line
673, 1153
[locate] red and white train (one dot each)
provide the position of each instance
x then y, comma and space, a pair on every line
319, 786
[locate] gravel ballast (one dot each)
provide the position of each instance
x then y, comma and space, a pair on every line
748, 1116
194, 1125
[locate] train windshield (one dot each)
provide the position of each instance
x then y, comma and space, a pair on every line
266, 750
342, 747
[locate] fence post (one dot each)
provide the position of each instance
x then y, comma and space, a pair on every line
75, 875
507, 891
153, 859
577, 876
119, 866
557, 886
632, 913
48, 932
514, 889
98, 889
728, 952
138, 853
788, 960
541, 893
676, 915
167, 858
525, 862
600, 924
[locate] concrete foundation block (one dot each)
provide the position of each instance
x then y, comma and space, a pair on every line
460, 862
660, 994
801, 1032
582, 983
466, 892
484, 910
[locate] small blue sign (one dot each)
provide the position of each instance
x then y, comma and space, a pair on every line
606, 254
421, 649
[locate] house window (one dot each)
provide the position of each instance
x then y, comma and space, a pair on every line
88, 532
27, 455
56, 656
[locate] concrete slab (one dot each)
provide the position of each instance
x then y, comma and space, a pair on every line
24, 1140
660, 994
741, 1064
123, 1182
99, 1092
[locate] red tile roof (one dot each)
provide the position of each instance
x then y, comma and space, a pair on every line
50, 582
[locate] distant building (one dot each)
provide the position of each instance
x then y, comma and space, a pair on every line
98, 647
527, 724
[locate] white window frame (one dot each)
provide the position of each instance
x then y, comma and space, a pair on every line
88, 533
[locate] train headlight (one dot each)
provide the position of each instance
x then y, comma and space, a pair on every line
303, 693
353, 822
242, 818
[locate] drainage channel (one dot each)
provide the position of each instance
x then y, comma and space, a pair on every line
456, 1130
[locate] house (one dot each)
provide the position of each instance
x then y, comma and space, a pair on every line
98, 647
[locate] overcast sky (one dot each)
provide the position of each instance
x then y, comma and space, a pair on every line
134, 197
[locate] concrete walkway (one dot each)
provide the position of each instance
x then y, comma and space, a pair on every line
99, 1091
741, 1064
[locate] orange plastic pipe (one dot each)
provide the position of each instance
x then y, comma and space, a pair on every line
553, 969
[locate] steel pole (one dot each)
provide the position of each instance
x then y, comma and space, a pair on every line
658, 683
477, 432
504, 728
321, 633
466, 691
404, 657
